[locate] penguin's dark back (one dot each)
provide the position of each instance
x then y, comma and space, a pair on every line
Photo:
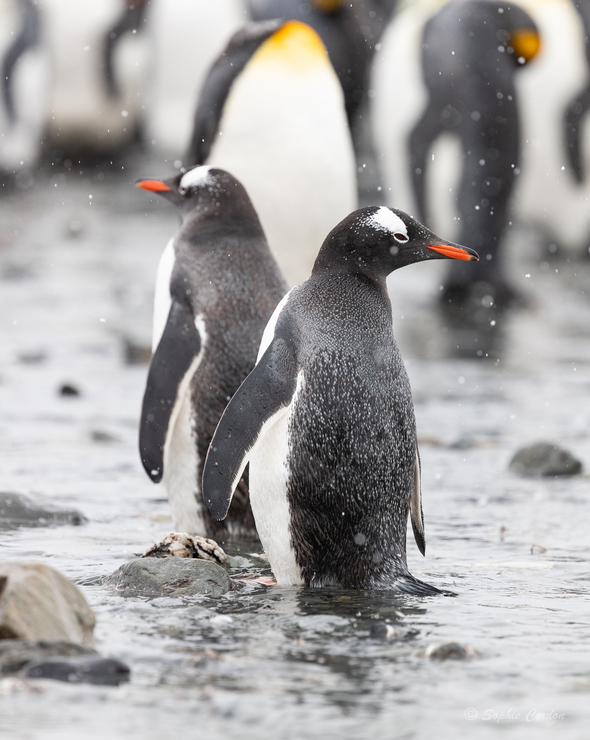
352, 438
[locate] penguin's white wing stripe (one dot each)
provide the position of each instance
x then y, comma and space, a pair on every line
269, 331
259, 402
416, 508
162, 298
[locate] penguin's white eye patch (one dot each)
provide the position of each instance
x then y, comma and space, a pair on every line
386, 220
193, 178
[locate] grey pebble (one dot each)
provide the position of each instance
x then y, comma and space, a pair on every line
544, 459
81, 669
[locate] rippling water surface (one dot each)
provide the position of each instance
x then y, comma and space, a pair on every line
76, 278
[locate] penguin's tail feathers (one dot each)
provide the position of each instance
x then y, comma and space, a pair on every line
407, 584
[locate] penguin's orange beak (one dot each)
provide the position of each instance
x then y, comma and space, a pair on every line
455, 253
156, 186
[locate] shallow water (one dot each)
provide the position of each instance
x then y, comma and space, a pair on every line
76, 278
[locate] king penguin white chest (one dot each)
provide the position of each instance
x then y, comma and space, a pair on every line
284, 134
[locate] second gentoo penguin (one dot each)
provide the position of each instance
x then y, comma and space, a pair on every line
217, 286
271, 111
326, 418
471, 50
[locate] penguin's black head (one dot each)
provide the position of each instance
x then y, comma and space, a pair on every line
377, 240
200, 189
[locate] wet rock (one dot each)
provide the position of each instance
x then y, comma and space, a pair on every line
382, 631
17, 511
16, 654
544, 459
38, 603
67, 390
82, 669
449, 651
170, 576
182, 545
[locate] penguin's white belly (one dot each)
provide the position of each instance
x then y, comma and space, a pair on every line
181, 472
284, 135
268, 498
162, 298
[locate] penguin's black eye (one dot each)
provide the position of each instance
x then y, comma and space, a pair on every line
182, 190
401, 237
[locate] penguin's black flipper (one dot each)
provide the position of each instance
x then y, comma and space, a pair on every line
173, 362
263, 396
416, 508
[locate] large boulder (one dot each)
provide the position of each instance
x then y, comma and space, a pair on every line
38, 603
170, 577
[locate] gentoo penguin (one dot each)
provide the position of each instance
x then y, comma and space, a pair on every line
216, 288
271, 111
24, 84
349, 30
326, 418
471, 50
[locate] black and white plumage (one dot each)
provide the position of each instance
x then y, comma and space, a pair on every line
471, 50
349, 30
271, 111
217, 286
326, 418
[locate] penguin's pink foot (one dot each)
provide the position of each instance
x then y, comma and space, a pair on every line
263, 579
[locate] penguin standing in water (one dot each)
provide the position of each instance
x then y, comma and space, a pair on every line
471, 50
217, 285
271, 111
326, 418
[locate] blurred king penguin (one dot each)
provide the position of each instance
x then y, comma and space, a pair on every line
271, 111
471, 51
